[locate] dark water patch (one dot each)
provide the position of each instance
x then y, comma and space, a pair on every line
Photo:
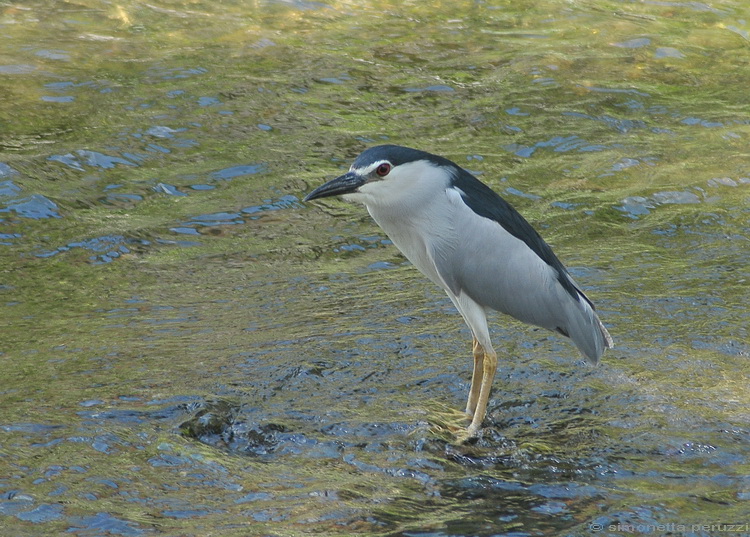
68, 159
105, 524
7, 239
564, 205
304, 5
675, 197
30, 428
238, 171
284, 202
394, 469
58, 98
545, 81
99, 416
106, 248
637, 206
179, 243
91, 402
558, 144
215, 219
625, 91
739, 31
636, 42
174, 73
437, 88
36, 207
701, 122
262, 425
538, 495
246, 214
161, 131
347, 245
189, 513
156, 148
120, 199
185, 230
730, 348
620, 125
668, 52
208, 101
83, 159
381, 265
626, 163
42, 513
120, 416
254, 497
185, 143
8, 188
262, 439
692, 6
17, 69
508, 506
168, 189
136, 157
179, 400
68, 84
14, 502
245, 428
338, 80
728, 181
90, 158
515, 192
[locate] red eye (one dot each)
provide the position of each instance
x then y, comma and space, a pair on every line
383, 170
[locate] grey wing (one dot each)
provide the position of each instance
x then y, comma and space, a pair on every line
499, 271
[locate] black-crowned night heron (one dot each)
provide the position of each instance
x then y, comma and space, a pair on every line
476, 246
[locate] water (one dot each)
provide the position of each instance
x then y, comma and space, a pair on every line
187, 349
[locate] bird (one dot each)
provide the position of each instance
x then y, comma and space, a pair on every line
469, 241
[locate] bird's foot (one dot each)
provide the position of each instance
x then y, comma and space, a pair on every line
473, 430
449, 423
466, 435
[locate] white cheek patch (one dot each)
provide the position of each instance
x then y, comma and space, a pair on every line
367, 170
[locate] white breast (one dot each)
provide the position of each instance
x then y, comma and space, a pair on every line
411, 205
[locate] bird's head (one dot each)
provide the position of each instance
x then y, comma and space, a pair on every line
383, 169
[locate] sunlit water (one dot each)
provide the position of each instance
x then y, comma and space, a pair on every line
188, 349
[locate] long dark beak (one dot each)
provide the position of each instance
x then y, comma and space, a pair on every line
346, 184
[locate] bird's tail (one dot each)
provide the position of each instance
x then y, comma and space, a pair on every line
588, 333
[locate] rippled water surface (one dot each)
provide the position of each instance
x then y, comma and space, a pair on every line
188, 349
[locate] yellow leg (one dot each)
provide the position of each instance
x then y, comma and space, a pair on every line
476, 378
489, 366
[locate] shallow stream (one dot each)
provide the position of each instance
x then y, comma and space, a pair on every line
187, 349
